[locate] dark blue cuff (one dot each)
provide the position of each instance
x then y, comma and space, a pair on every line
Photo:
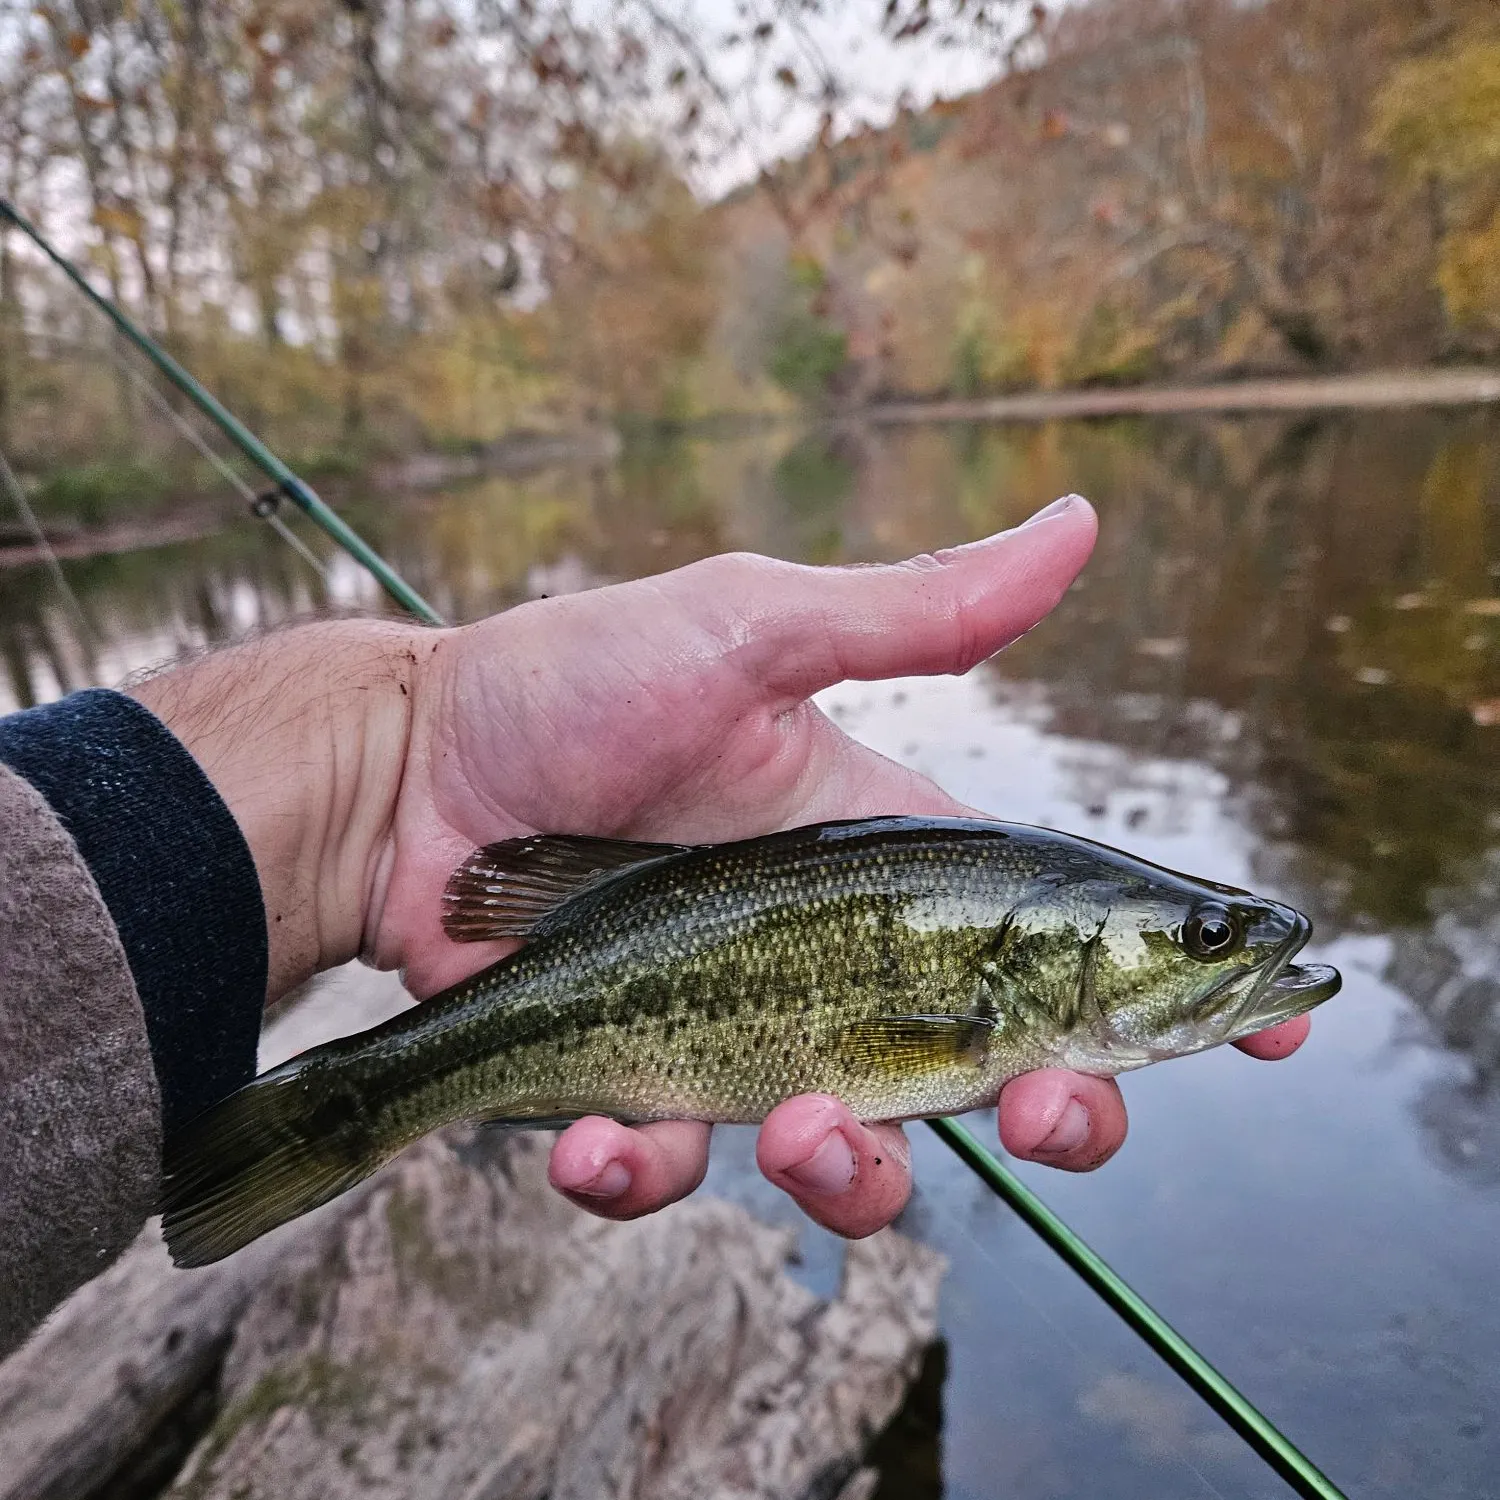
176, 874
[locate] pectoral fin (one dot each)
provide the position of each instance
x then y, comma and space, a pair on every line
901, 1046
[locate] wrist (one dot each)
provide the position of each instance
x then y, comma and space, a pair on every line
304, 735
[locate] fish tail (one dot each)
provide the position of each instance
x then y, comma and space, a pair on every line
279, 1147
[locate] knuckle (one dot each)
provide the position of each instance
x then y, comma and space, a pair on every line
734, 570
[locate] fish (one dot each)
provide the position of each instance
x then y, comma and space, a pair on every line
910, 966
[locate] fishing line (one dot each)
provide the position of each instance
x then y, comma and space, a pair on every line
287, 483
940, 1209
1257, 1430
258, 504
39, 538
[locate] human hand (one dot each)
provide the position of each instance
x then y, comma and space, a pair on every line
365, 759
677, 708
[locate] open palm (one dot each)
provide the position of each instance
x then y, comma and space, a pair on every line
676, 708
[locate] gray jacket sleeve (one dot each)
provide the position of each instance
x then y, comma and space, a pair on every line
80, 1115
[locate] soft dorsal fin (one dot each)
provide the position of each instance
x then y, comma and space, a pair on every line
508, 889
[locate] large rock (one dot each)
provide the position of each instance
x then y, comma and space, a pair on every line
457, 1329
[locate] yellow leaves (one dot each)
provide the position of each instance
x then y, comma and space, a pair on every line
1055, 125
1438, 119
1440, 115
121, 220
1469, 275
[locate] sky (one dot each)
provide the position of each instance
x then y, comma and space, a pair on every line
875, 71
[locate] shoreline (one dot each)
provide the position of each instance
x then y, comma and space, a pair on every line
188, 524
1467, 386
528, 453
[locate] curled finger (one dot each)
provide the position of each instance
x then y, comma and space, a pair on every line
1276, 1041
621, 1172
1061, 1119
849, 1177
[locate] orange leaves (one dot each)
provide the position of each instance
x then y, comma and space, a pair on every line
119, 219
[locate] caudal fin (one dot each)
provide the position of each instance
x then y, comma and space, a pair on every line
265, 1155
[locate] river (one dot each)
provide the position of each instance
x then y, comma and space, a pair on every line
1281, 670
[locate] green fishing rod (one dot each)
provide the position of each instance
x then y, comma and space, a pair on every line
287, 483
1252, 1425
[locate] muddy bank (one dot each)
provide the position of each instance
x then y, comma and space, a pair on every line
1458, 387
66, 540
515, 454
192, 516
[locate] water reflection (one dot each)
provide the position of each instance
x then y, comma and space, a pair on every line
1311, 606
1282, 668
1448, 970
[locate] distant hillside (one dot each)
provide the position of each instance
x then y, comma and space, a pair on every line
1182, 190
477, 236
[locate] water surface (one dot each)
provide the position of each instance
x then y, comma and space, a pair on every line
1282, 670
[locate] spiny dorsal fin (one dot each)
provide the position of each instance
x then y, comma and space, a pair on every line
508, 889
903, 1045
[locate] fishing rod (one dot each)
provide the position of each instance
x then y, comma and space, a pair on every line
287, 483
1258, 1431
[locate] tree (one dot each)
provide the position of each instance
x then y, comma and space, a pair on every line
1438, 119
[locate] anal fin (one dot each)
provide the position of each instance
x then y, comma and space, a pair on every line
506, 889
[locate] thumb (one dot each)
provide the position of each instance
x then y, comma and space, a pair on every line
799, 629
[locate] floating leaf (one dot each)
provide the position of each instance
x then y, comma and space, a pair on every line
1055, 125
1164, 648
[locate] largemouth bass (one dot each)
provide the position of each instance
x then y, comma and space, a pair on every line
909, 965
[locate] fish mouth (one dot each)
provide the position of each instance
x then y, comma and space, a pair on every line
1284, 989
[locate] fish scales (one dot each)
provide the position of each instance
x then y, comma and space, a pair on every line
910, 966
769, 956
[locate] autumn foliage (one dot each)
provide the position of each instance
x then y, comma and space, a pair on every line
389, 224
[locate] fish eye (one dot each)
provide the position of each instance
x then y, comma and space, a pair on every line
1213, 932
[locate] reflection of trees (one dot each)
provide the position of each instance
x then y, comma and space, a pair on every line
1291, 601
471, 550
1227, 551
138, 607
1451, 971
1295, 604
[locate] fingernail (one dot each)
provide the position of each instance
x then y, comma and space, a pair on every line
829, 1170
1055, 509
610, 1182
1070, 1132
